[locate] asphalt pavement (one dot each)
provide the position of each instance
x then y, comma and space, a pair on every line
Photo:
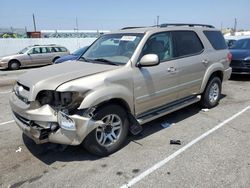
221, 158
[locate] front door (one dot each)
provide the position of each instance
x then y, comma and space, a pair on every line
156, 86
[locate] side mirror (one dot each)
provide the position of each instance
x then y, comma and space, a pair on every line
149, 60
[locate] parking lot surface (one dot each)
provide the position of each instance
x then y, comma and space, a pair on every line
220, 159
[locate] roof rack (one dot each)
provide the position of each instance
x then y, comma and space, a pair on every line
186, 24
44, 45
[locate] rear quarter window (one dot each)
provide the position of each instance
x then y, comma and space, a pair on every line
62, 49
216, 39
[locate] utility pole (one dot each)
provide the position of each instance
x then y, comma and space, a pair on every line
34, 22
221, 26
235, 25
76, 24
157, 20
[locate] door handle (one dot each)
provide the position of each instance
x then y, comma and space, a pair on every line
205, 61
171, 69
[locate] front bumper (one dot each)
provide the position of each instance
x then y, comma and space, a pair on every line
3, 65
35, 121
240, 67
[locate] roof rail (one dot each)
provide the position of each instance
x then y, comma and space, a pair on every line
186, 24
44, 45
124, 28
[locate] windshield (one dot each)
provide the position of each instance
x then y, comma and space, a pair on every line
241, 44
80, 51
113, 48
23, 50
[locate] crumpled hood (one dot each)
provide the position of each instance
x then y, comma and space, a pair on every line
50, 77
238, 54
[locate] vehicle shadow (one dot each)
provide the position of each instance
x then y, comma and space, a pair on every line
239, 77
168, 120
50, 153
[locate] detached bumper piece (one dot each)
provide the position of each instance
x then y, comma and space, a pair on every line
33, 130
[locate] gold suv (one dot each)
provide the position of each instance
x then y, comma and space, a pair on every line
123, 80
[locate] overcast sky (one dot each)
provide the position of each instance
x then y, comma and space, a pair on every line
114, 14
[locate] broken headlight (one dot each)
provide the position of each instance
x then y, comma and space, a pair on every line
60, 100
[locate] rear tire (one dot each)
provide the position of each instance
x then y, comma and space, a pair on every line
14, 65
108, 139
211, 96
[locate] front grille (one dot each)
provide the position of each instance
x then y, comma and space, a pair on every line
236, 63
247, 64
22, 119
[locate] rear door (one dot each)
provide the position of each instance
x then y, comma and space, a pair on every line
191, 62
156, 86
46, 56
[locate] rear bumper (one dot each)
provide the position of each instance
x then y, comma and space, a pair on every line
227, 73
41, 124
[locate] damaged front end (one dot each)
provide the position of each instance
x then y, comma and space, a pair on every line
53, 117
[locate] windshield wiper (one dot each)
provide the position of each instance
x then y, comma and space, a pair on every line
104, 61
83, 59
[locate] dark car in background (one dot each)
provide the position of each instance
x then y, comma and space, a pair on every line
240, 51
75, 55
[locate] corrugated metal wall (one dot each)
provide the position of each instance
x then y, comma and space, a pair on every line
10, 46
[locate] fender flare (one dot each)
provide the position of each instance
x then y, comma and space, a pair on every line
213, 68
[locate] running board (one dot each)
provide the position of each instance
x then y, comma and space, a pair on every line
168, 109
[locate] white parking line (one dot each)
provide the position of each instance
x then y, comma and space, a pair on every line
178, 152
7, 122
5, 92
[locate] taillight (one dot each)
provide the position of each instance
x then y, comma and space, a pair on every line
229, 57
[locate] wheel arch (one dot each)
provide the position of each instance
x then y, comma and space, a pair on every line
216, 70
16, 60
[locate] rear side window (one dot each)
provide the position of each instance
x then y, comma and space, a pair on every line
187, 43
63, 49
43, 50
216, 39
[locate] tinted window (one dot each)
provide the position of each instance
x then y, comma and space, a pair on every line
216, 39
160, 44
187, 43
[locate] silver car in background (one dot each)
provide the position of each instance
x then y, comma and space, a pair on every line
35, 55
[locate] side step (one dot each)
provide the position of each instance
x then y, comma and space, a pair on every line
154, 114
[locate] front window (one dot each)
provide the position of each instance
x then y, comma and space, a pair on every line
23, 51
113, 48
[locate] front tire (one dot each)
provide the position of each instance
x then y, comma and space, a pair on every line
109, 138
14, 65
211, 96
